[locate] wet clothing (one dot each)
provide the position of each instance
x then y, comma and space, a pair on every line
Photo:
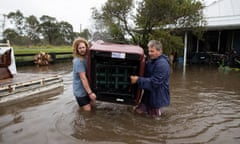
79, 66
83, 100
154, 112
156, 83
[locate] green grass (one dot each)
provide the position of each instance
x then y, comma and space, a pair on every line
37, 49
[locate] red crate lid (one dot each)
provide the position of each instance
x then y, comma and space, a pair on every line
120, 48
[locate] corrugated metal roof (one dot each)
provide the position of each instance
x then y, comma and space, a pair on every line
223, 14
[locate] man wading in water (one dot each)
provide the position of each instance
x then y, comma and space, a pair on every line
155, 82
81, 89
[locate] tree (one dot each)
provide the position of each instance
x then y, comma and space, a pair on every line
17, 19
162, 20
56, 32
85, 34
154, 19
100, 36
115, 15
12, 35
66, 34
48, 28
15, 38
32, 29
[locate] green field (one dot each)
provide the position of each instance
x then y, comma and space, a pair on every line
37, 49
33, 50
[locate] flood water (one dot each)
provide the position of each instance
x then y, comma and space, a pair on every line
205, 108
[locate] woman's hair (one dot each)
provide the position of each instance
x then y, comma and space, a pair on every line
76, 43
156, 44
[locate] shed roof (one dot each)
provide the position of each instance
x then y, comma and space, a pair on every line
223, 14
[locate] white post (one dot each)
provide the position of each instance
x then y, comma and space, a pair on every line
185, 51
197, 46
8, 43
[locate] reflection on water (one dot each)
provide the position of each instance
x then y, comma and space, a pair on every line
205, 108
62, 68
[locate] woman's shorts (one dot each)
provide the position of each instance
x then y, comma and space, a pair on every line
82, 101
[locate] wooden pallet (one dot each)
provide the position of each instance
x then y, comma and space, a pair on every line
27, 85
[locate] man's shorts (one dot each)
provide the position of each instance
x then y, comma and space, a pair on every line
154, 112
82, 101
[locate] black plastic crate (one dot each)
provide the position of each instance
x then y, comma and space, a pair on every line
109, 70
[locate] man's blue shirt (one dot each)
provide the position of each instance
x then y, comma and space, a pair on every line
78, 66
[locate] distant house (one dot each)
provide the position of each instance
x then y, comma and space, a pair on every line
223, 30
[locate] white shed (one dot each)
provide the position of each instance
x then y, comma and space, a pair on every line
223, 31
223, 14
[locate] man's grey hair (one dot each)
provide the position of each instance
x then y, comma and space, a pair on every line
156, 44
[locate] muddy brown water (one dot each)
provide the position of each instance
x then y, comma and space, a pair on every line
205, 108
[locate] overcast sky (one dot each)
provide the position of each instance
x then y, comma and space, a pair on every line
75, 12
